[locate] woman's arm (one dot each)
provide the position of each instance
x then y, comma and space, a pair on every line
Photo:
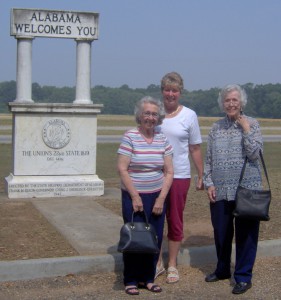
168, 179
252, 137
208, 181
196, 155
123, 163
211, 192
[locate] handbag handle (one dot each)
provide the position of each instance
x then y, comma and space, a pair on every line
145, 216
244, 167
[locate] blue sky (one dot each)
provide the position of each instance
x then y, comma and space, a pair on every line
209, 42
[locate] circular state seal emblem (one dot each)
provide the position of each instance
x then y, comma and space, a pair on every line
56, 133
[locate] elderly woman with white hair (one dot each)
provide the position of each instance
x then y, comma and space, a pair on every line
146, 171
229, 141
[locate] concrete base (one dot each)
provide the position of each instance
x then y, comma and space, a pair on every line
53, 186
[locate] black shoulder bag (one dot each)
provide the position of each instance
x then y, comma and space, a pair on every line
252, 204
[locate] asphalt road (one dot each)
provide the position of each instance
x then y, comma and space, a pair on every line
7, 139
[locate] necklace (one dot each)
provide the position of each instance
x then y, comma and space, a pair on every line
174, 112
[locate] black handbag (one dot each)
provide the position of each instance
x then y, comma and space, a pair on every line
138, 237
252, 204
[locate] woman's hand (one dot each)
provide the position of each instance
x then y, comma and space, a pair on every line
199, 184
158, 207
137, 203
212, 194
244, 123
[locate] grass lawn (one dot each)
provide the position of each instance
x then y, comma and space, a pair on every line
106, 161
125, 120
106, 153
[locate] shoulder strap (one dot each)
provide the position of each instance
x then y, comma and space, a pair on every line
244, 167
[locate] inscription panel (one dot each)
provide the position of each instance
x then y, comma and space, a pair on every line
54, 23
64, 145
53, 186
56, 189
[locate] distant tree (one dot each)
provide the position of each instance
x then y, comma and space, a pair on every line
7, 91
124, 87
7, 94
153, 88
263, 100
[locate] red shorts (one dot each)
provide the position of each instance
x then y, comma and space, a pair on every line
176, 200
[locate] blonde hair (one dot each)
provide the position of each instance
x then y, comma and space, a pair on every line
172, 78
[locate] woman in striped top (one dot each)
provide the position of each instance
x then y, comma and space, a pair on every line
146, 171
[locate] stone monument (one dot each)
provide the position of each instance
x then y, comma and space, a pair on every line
54, 144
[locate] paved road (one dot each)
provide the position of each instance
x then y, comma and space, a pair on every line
116, 138
6, 139
202, 127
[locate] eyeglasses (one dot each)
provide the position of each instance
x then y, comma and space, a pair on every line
228, 102
147, 114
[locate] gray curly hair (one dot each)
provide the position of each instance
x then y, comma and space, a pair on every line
151, 100
230, 88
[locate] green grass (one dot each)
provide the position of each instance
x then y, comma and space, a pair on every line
129, 121
116, 120
106, 153
6, 132
264, 131
106, 161
121, 132
124, 120
111, 132
121, 120
5, 119
206, 121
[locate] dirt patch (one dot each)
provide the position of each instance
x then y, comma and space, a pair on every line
198, 229
104, 286
25, 233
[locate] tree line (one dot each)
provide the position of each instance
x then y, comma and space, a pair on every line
264, 101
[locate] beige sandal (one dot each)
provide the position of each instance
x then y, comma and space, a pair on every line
173, 275
159, 270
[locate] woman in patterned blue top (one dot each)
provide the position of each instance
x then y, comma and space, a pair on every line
229, 141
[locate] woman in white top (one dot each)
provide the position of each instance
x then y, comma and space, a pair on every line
182, 130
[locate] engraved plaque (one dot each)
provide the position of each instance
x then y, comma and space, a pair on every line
56, 133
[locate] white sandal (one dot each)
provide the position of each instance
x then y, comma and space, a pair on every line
173, 275
159, 270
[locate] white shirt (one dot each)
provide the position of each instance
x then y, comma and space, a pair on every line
182, 130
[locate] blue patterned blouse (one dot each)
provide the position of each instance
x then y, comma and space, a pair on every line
226, 149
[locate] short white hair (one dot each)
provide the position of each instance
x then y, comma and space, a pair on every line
230, 88
151, 100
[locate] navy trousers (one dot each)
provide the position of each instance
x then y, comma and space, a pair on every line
141, 267
246, 240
